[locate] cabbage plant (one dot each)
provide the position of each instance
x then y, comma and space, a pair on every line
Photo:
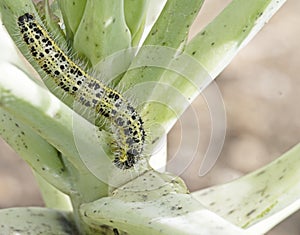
141, 50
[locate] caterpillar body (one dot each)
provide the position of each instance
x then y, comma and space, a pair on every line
126, 124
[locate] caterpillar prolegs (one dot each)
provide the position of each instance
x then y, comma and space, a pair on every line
125, 122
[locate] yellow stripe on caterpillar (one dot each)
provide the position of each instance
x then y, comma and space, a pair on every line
126, 124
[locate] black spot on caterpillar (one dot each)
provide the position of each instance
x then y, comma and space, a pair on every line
126, 124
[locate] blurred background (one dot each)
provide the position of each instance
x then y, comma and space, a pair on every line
260, 90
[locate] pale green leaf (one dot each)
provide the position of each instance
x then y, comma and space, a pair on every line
260, 200
36, 221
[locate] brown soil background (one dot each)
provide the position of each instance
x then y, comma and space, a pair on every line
260, 89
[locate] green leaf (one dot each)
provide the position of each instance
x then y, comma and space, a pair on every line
176, 214
170, 30
52, 197
16, 8
135, 15
216, 45
102, 30
41, 156
165, 82
36, 221
72, 12
260, 200
27, 97
150, 186
154, 203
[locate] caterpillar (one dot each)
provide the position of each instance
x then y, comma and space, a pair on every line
125, 123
